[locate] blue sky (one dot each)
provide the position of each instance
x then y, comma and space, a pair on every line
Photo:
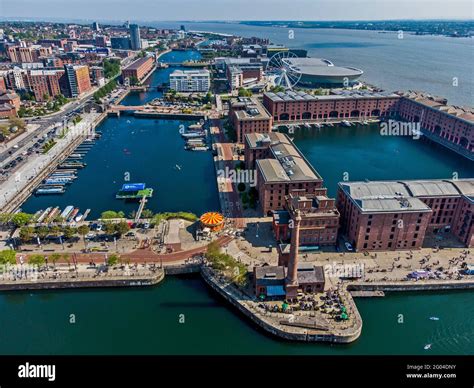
149, 10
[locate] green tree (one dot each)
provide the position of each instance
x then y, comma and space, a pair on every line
244, 92
7, 256
112, 260
83, 230
26, 234
36, 260
54, 258
21, 219
147, 213
122, 228
42, 231
109, 228
68, 232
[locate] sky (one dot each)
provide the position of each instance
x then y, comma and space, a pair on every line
161, 10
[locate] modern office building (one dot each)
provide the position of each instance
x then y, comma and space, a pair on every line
248, 115
394, 215
77, 79
281, 169
138, 69
135, 40
190, 80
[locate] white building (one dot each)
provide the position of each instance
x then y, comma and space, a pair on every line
190, 80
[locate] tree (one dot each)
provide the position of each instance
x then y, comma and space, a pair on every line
21, 219
7, 256
37, 260
147, 213
17, 122
68, 232
26, 234
109, 228
112, 260
110, 214
42, 231
54, 258
83, 230
244, 92
122, 228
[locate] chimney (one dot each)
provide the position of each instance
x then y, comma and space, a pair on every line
292, 275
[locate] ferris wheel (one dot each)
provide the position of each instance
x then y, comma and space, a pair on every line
280, 67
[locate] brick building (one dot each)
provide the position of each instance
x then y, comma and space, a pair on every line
319, 219
249, 116
390, 215
45, 84
280, 169
299, 106
452, 126
139, 69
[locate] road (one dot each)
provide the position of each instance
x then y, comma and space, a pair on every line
44, 124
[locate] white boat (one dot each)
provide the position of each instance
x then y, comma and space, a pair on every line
365, 122
434, 319
178, 167
345, 123
427, 347
78, 218
317, 125
67, 211
307, 125
44, 214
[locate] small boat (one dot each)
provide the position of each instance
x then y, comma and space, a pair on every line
53, 214
86, 214
67, 211
307, 125
52, 190
434, 319
365, 122
73, 214
345, 123
44, 214
427, 347
78, 217
317, 125
190, 135
178, 167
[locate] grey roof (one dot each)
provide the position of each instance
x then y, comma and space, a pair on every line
252, 109
288, 163
390, 196
320, 67
310, 274
290, 96
269, 275
431, 188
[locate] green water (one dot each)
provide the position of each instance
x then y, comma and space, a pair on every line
146, 320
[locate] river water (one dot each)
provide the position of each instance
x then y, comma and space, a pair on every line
147, 320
